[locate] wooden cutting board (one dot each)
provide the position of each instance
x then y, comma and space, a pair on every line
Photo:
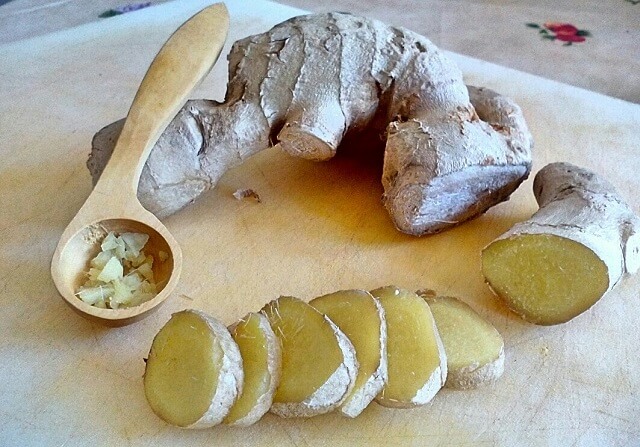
320, 227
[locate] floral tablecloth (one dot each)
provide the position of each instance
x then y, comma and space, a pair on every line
66, 381
586, 43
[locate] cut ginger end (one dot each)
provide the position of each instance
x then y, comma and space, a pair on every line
311, 358
546, 279
182, 370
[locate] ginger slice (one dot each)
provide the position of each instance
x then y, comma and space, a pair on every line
319, 365
475, 349
361, 317
573, 250
416, 358
261, 361
194, 371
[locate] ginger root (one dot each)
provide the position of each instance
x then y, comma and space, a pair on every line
572, 251
451, 152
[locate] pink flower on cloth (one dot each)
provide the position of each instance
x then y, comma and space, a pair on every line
563, 32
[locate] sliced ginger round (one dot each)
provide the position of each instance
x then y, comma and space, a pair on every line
261, 360
475, 349
319, 365
545, 278
360, 316
416, 359
194, 371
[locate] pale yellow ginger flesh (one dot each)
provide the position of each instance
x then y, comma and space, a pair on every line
310, 350
547, 279
361, 318
577, 247
121, 275
415, 355
183, 370
475, 349
261, 361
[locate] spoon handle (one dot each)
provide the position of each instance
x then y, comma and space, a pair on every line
184, 60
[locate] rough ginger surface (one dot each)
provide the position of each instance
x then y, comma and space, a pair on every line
451, 152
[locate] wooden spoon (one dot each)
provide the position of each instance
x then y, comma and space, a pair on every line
184, 60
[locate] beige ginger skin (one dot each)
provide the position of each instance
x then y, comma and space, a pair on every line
451, 153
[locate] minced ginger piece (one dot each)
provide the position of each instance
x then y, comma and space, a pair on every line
121, 275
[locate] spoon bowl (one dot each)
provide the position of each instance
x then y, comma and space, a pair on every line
84, 245
184, 60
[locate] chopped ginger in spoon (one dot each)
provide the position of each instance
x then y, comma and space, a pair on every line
121, 275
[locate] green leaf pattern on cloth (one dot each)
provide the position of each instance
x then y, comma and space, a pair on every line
124, 9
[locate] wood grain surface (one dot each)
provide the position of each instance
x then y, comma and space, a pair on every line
320, 227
